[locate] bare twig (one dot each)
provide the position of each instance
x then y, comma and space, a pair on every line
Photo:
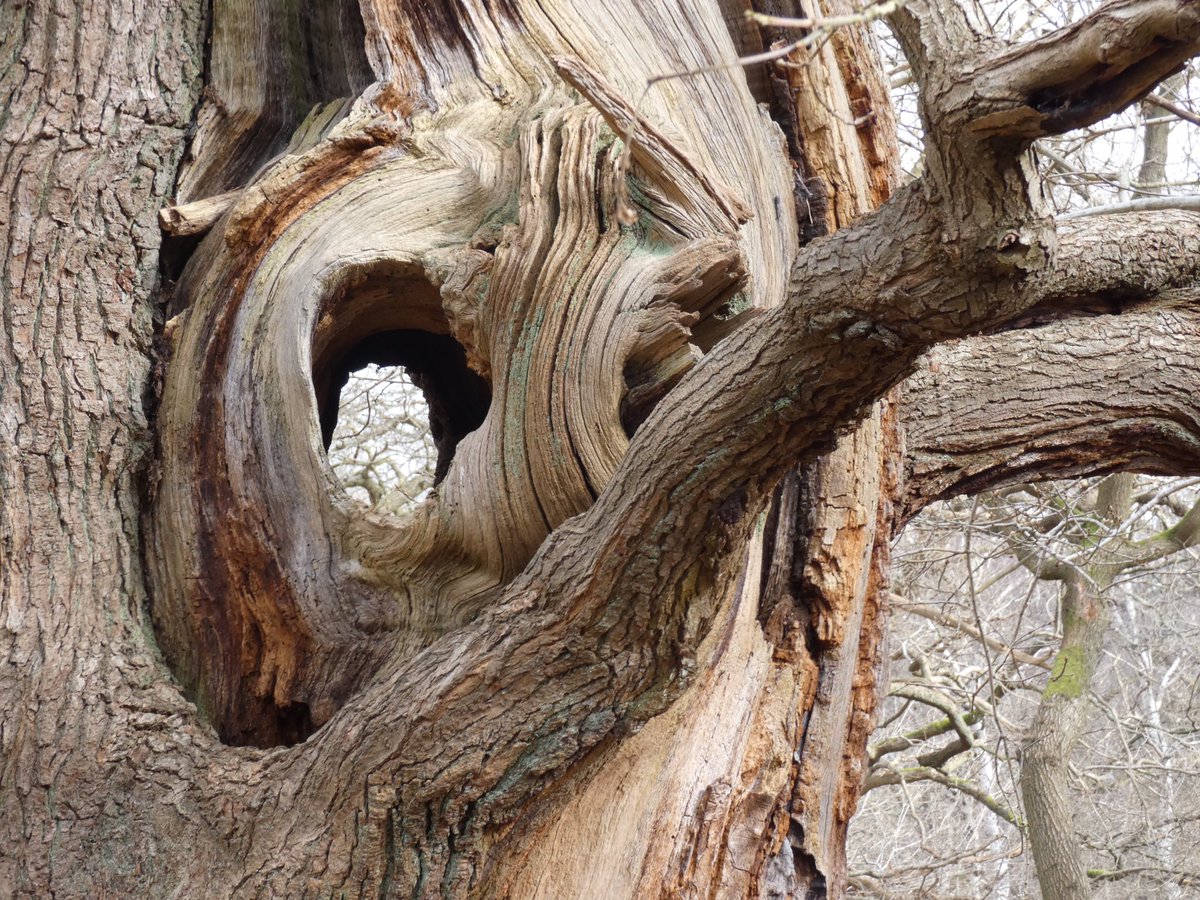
1171, 106
1142, 204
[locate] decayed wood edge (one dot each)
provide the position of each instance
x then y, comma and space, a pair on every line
840, 566
275, 73
196, 217
658, 154
384, 555
212, 651
824, 611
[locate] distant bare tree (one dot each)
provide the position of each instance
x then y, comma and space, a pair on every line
383, 449
984, 672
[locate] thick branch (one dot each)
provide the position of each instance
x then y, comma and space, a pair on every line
1084, 396
1085, 72
1103, 391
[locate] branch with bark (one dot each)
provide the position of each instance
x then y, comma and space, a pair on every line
414, 703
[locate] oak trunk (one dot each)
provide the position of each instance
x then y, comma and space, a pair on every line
628, 647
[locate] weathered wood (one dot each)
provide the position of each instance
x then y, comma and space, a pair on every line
836, 575
446, 702
196, 217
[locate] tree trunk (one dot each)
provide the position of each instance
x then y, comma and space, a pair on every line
626, 648
1065, 703
1046, 757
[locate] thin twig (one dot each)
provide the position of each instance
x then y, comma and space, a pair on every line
1172, 107
1189, 202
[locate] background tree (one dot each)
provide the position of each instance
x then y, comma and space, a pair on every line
625, 648
967, 715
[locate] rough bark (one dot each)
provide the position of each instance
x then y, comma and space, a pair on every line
95, 103
1081, 396
580, 666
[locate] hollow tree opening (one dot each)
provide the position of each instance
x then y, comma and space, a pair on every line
382, 449
539, 634
455, 399
358, 329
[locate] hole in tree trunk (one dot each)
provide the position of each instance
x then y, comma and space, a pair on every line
386, 363
398, 404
